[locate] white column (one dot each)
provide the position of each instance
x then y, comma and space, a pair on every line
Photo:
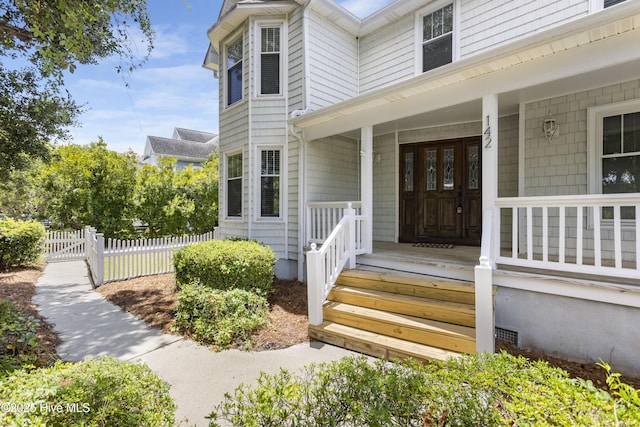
366, 186
490, 167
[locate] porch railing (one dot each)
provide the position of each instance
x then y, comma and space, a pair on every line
592, 234
323, 217
325, 264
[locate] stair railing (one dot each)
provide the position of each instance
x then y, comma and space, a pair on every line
325, 264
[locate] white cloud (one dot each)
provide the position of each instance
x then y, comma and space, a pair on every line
363, 8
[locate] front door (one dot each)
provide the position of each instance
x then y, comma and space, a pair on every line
440, 192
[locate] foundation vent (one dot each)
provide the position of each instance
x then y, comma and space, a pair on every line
512, 337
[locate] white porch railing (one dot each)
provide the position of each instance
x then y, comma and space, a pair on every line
592, 234
323, 217
324, 265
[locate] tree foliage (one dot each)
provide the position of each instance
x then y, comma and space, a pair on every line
89, 185
39, 40
175, 202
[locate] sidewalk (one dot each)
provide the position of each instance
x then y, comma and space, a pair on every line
89, 326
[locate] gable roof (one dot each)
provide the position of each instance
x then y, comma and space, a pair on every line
193, 135
187, 150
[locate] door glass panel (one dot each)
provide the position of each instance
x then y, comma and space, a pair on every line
448, 170
431, 171
408, 171
473, 168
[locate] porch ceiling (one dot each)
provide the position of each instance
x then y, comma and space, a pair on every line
594, 51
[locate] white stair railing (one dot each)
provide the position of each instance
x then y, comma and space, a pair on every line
485, 341
325, 264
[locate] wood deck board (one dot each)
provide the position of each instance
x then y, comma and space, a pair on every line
444, 311
414, 329
375, 344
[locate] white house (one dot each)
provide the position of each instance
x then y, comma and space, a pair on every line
187, 146
509, 130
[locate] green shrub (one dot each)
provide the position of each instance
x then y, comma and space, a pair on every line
19, 345
226, 264
220, 317
98, 392
21, 242
478, 390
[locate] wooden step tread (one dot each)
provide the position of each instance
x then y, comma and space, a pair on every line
444, 311
423, 331
373, 344
410, 284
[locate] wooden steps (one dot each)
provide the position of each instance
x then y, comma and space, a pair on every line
395, 315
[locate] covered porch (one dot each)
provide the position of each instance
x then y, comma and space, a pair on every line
534, 105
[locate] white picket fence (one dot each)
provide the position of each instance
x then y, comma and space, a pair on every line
110, 260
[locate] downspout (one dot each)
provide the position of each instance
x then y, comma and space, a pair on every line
250, 139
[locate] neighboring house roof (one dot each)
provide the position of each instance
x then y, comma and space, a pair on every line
186, 144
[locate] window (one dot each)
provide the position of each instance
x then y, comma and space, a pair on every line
269, 61
234, 71
614, 152
609, 3
234, 185
621, 157
270, 183
437, 38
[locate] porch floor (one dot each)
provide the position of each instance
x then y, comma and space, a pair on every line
457, 262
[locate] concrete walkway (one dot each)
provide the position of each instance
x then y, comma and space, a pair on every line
89, 326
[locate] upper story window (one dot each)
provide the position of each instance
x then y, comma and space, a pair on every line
234, 71
596, 5
270, 54
234, 185
437, 38
609, 3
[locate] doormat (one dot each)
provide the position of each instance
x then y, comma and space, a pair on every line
434, 245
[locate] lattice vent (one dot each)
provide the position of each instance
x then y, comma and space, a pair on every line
512, 337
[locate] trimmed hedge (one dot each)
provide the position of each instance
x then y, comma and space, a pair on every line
96, 392
21, 242
220, 317
477, 390
227, 264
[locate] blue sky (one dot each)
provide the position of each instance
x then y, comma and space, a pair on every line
170, 90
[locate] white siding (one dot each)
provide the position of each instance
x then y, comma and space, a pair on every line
387, 55
332, 170
333, 63
559, 166
385, 190
295, 63
485, 24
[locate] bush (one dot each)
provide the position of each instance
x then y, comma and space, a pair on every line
21, 242
220, 317
98, 392
478, 390
19, 345
225, 264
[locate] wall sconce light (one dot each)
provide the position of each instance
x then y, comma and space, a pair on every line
550, 127
376, 157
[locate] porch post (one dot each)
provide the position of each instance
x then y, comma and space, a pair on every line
490, 167
366, 186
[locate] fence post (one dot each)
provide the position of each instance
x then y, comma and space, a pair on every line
99, 259
315, 285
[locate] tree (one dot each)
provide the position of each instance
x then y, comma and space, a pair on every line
175, 202
89, 185
39, 40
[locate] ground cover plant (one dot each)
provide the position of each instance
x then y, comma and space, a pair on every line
95, 392
478, 390
220, 317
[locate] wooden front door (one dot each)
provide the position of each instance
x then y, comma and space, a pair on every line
440, 192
